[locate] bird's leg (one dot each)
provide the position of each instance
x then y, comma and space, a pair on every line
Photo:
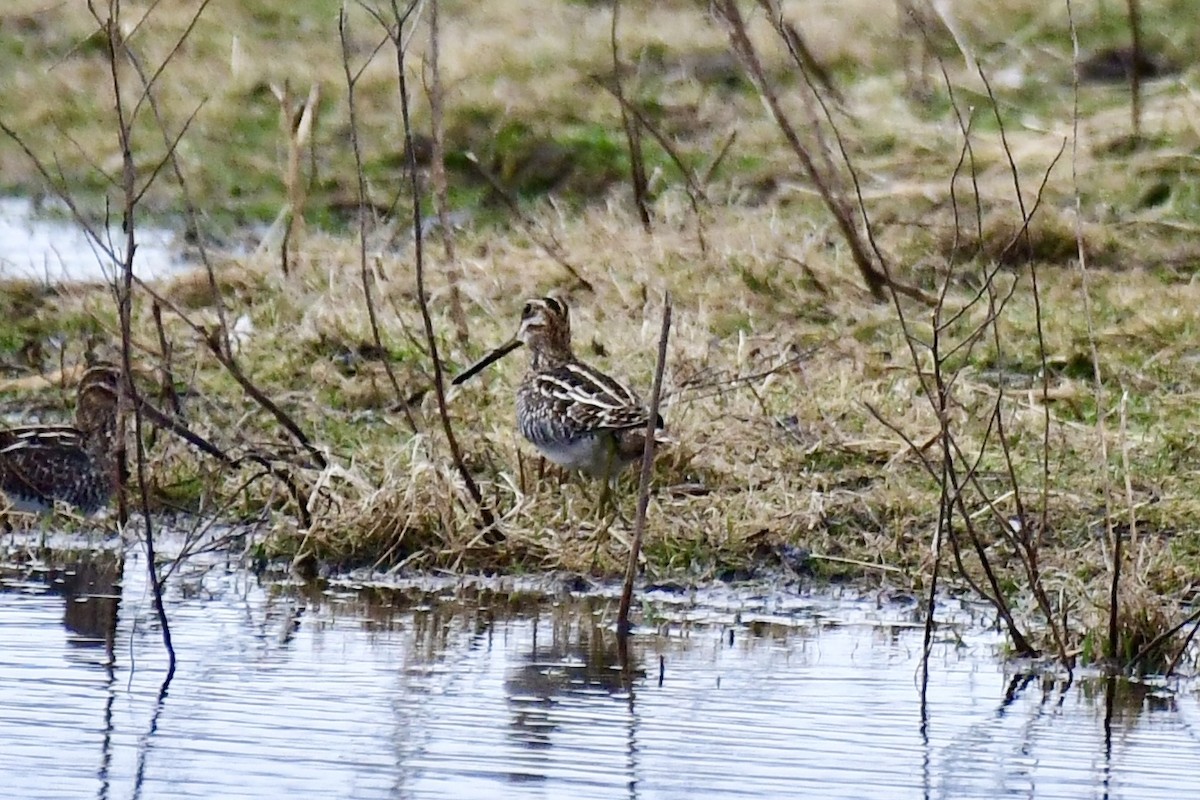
606, 521
605, 487
543, 474
562, 478
616, 504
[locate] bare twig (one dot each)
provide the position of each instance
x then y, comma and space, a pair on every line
718, 159
167, 381
437, 174
546, 240
1023, 537
633, 132
270, 406
872, 272
639, 520
1135, 67
695, 190
439, 383
800, 52
193, 215
218, 341
1097, 375
1183, 648
179, 428
123, 291
1157, 641
364, 269
149, 82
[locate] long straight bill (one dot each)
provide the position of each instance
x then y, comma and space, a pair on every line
497, 354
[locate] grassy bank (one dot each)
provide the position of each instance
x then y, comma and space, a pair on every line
795, 396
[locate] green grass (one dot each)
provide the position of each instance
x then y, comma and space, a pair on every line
779, 359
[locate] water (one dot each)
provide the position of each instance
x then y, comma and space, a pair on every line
52, 250
494, 689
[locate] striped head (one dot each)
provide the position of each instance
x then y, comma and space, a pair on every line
96, 401
546, 331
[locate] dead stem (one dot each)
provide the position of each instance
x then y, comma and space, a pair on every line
639, 520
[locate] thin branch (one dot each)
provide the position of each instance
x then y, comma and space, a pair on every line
437, 175
633, 133
1097, 375
169, 156
270, 406
1135, 67
123, 291
639, 520
547, 241
364, 269
875, 279
439, 383
695, 191
148, 84
1157, 641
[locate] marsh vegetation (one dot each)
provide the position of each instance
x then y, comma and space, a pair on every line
935, 315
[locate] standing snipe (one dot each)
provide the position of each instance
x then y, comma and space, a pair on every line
575, 415
41, 464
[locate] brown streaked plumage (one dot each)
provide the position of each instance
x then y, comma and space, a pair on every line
575, 415
73, 464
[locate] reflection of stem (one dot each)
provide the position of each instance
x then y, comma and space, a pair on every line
631, 730
945, 511
1110, 703
110, 625
923, 728
146, 741
106, 740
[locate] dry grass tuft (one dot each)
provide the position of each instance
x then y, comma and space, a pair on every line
794, 397
1049, 239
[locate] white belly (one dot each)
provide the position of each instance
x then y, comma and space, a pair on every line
587, 454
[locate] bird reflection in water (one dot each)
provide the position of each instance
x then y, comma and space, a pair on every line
91, 589
575, 656
90, 584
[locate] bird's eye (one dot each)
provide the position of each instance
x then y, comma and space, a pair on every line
527, 311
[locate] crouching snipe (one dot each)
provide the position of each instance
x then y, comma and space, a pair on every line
575, 415
76, 465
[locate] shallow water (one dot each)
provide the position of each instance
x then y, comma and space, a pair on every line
52, 249
489, 689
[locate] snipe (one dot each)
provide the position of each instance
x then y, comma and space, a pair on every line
574, 414
73, 464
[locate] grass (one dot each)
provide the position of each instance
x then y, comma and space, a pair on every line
778, 354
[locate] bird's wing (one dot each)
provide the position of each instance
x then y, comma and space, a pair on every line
589, 400
41, 463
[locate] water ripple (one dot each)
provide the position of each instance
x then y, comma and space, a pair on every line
494, 693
